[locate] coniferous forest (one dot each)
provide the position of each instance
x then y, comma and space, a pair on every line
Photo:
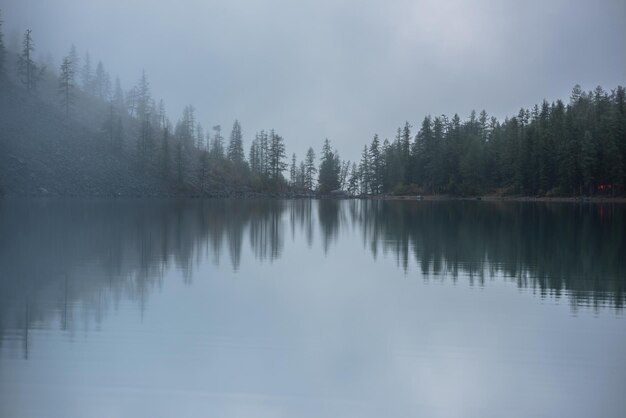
571, 148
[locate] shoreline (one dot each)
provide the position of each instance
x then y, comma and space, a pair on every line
250, 195
492, 198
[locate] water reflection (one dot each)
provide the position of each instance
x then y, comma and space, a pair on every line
59, 256
554, 248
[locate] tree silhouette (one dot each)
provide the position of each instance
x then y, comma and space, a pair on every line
66, 85
29, 72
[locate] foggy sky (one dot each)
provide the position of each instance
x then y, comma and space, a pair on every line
342, 69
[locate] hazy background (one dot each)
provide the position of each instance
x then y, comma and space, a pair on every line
342, 69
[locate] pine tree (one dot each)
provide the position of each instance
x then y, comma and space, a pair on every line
101, 82
186, 126
143, 96
588, 162
353, 180
118, 94
200, 137
235, 146
30, 72
276, 156
131, 101
203, 168
165, 153
310, 169
329, 171
293, 171
264, 154
344, 170
375, 166
180, 163
254, 157
301, 176
109, 125
73, 56
118, 134
146, 141
365, 171
66, 84
406, 152
217, 146
86, 74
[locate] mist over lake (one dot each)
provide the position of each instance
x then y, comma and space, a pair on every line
372, 209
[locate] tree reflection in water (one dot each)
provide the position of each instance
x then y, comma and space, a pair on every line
59, 255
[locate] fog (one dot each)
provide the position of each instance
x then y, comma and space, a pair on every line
338, 69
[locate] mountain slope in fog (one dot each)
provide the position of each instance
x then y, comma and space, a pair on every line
43, 152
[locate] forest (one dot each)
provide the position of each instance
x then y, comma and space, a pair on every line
576, 148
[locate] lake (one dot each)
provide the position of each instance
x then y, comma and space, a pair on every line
311, 308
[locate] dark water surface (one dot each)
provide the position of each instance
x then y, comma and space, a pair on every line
232, 308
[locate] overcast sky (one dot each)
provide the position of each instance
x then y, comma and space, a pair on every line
342, 69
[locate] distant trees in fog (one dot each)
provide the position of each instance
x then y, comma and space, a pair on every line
574, 148
551, 149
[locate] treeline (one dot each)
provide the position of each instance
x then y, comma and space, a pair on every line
136, 125
553, 149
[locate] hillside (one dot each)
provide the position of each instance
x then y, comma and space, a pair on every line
44, 153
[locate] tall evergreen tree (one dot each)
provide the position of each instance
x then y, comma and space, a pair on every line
235, 147
200, 144
301, 176
165, 153
66, 84
119, 134
101, 82
217, 146
203, 169
118, 94
329, 171
276, 156
30, 72
254, 156
588, 162
179, 161
264, 154
365, 171
353, 180
143, 96
73, 56
293, 171
86, 74
310, 169
376, 166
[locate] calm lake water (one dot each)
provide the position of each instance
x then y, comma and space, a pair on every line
269, 308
